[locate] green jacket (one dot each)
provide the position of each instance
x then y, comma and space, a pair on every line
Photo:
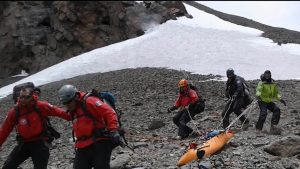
267, 91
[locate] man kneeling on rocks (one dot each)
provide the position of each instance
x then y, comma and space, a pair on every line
187, 102
95, 127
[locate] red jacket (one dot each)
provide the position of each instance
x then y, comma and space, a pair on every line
184, 100
83, 125
29, 124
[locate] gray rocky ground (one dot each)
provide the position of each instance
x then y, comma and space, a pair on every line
144, 94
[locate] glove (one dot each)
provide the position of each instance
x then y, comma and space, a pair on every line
258, 98
227, 94
283, 102
172, 109
234, 97
116, 138
122, 131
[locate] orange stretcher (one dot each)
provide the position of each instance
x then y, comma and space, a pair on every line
206, 149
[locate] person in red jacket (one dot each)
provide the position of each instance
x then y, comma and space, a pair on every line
28, 117
186, 101
95, 127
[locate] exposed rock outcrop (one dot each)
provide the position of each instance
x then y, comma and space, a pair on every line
37, 34
285, 147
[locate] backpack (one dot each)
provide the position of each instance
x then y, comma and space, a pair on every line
200, 106
48, 130
247, 98
110, 100
17, 89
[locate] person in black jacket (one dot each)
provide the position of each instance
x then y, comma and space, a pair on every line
235, 91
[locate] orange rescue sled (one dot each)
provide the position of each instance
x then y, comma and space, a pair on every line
206, 149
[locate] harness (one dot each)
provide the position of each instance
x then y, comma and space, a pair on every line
97, 133
48, 131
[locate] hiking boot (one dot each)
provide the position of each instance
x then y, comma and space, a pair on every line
259, 133
194, 134
275, 130
245, 126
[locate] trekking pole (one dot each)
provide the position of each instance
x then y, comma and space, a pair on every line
119, 113
126, 145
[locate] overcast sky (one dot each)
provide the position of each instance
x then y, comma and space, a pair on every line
274, 13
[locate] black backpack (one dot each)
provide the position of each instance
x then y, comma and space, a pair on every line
17, 89
200, 106
247, 98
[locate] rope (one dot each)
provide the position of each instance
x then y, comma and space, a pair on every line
231, 101
237, 118
246, 118
193, 121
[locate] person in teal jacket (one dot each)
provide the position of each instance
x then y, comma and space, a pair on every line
266, 93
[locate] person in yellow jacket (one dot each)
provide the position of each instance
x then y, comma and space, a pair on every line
266, 93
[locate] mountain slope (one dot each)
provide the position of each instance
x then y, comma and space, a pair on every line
278, 35
144, 94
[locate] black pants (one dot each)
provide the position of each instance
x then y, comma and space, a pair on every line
181, 119
37, 150
235, 106
96, 155
264, 107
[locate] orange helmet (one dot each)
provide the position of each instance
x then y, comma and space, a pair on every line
183, 83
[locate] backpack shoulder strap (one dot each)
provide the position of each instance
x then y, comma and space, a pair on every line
45, 123
17, 114
37, 109
85, 109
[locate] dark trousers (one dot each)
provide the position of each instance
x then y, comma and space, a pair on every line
37, 150
181, 119
96, 155
264, 107
235, 106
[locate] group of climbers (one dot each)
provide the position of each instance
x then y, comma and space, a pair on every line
238, 95
95, 127
96, 131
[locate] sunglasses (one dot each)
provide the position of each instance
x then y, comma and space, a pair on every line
25, 97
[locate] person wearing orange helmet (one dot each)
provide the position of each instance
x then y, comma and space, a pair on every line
186, 101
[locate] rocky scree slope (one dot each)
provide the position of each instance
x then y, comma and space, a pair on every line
144, 94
